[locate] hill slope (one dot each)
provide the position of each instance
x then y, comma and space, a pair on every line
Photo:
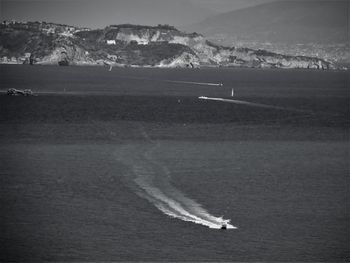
132, 45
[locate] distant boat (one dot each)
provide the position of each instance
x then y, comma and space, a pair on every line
16, 92
224, 226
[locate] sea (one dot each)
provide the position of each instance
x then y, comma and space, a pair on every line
148, 165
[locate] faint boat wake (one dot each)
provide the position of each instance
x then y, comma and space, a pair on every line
153, 183
176, 81
194, 83
253, 104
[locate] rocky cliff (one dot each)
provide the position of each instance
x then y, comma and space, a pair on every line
132, 45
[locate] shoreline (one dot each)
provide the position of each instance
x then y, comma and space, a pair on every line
342, 69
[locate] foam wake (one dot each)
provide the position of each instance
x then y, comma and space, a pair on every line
152, 179
253, 104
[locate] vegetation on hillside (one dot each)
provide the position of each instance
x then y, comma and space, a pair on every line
127, 44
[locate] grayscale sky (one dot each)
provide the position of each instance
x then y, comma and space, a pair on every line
100, 13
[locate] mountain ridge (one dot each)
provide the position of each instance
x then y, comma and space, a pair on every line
282, 21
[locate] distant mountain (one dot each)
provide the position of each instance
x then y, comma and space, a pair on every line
132, 45
318, 22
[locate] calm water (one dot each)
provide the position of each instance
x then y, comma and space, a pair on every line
129, 166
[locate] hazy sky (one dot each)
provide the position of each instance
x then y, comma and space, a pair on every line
99, 13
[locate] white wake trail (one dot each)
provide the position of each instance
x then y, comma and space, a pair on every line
170, 200
175, 81
253, 104
195, 83
153, 181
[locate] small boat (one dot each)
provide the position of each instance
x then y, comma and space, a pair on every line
224, 226
16, 92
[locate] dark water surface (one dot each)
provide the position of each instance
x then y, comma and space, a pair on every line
93, 165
